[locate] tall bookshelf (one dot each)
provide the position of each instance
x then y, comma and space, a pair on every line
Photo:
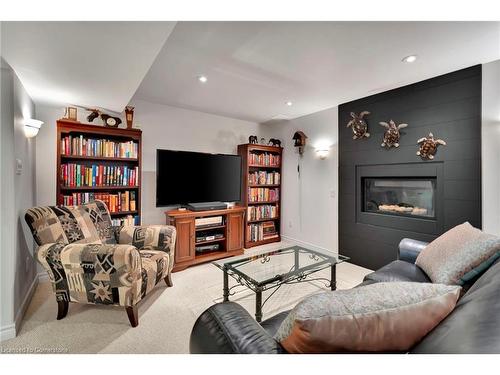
100, 163
261, 192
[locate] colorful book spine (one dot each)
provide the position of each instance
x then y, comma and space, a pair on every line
264, 178
263, 194
117, 202
80, 146
82, 175
264, 159
262, 212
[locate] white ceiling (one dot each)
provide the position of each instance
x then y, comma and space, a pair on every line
253, 68
83, 63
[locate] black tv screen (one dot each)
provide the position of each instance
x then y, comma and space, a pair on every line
191, 177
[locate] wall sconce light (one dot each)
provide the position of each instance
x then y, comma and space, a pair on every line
31, 127
322, 152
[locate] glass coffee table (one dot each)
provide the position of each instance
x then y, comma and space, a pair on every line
271, 269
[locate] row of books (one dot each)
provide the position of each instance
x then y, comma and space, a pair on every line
126, 221
118, 202
80, 146
263, 194
264, 178
264, 159
77, 175
262, 212
262, 231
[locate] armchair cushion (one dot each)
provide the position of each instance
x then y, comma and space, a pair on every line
102, 274
88, 223
151, 237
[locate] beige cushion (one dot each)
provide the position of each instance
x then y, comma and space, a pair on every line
455, 253
390, 316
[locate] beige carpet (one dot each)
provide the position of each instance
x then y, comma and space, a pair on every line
166, 317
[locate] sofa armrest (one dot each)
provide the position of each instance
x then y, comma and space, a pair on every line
228, 328
409, 249
150, 237
102, 274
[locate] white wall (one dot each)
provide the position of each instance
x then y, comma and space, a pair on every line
18, 268
309, 202
491, 147
179, 129
163, 127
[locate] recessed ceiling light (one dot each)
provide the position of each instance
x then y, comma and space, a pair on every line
202, 79
289, 104
409, 59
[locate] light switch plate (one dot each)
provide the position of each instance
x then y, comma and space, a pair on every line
19, 166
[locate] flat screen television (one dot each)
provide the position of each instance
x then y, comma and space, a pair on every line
184, 177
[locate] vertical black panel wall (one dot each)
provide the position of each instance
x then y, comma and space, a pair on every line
449, 106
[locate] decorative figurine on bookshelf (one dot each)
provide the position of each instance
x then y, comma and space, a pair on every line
109, 121
263, 141
71, 114
274, 142
129, 116
252, 139
299, 139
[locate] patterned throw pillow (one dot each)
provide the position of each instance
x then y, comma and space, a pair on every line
391, 316
459, 255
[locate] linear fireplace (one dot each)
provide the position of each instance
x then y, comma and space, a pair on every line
401, 196
406, 196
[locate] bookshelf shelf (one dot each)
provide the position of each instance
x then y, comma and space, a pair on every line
76, 138
123, 213
261, 220
100, 187
98, 158
263, 164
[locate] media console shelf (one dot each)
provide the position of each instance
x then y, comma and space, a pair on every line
230, 231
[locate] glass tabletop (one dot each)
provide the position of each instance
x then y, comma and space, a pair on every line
278, 265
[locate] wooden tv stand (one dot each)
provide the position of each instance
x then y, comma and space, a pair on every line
230, 244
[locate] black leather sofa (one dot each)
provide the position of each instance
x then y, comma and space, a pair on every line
473, 327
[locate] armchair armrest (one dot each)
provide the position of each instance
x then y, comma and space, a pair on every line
102, 274
49, 256
150, 237
228, 328
409, 249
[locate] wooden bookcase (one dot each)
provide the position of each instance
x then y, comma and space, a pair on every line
230, 244
248, 167
76, 129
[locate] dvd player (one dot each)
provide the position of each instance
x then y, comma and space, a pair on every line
206, 206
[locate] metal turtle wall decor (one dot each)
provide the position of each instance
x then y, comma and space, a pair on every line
358, 125
428, 146
391, 134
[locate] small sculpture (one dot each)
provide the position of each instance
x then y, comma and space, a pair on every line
129, 116
274, 142
263, 141
391, 135
299, 139
252, 139
94, 113
428, 146
358, 125
109, 121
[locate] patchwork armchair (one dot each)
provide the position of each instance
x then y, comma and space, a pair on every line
90, 261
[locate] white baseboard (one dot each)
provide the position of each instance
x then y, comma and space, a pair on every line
10, 331
43, 276
306, 244
25, 303
7, 332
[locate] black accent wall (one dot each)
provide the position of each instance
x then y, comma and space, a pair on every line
449, 106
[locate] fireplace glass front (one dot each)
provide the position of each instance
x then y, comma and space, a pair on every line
413, 197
